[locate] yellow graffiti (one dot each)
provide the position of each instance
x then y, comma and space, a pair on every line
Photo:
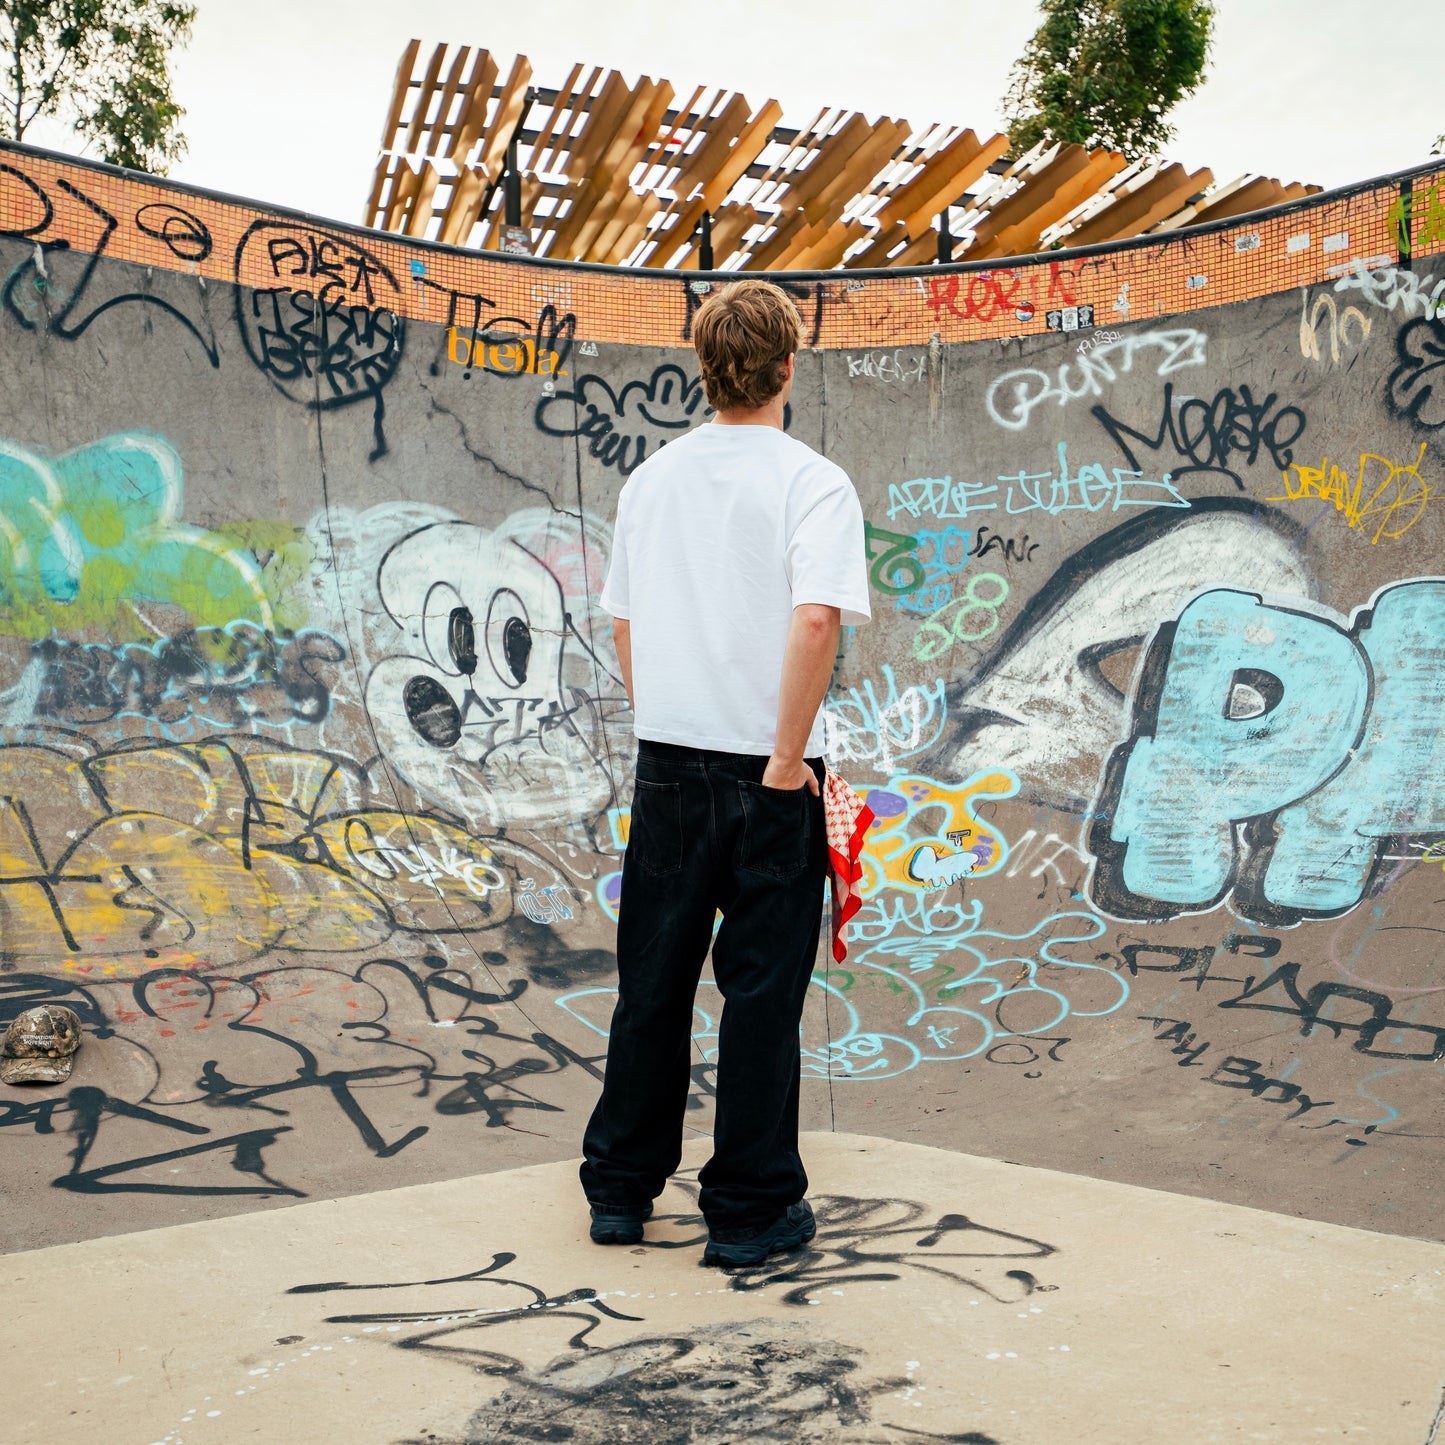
514, 355
926, 835
196, 856
1383, 498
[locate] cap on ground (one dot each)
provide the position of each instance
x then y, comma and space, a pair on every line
40, 1046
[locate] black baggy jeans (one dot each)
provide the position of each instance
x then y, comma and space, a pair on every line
707, 836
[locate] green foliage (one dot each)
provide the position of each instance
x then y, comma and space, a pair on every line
1108, 72
101, 64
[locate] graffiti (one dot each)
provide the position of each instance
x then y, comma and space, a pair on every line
1338, 330
1416, 388
505, 358
472, 702
1383, 498
1424, 211
990, 294
1049, 703
927, 834
942, 555
1275, 754
858, 727
31, 287
92, 535
939, 987
1210, 435
1012, 397
1393, 289
761, 1381
773, 1380
1098, 339
969, 618
182, 234
195, 1045
203, 678
889, 366
181, 855
328, 334
1231, 1072
618, 426
504, 345
1091, 490
1322, 1008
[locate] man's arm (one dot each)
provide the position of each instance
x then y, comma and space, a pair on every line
622, 641
808, 660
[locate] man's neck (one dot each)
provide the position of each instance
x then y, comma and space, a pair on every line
769, 414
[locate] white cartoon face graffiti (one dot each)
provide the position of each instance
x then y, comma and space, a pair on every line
471, 709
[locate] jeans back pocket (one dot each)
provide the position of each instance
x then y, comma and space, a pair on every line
654, 838
776, 829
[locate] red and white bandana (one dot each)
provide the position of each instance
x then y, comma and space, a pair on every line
849, 818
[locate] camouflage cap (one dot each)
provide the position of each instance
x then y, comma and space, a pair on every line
40, 1045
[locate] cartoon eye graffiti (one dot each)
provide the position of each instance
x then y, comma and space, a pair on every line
462, 640
509, 637
439, 627
431, 711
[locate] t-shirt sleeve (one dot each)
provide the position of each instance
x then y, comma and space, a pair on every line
614, 599
827, 558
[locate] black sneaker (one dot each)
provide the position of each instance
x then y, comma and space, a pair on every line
618, 1223
733, 1248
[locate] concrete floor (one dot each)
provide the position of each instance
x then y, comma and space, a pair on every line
945, 1297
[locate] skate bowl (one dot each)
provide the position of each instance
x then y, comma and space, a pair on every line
315, 760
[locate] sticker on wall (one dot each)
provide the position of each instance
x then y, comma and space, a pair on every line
1340, 241
1297, 243
1196, 283
1247, 243
1071, 318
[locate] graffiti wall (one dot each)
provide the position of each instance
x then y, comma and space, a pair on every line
315, 758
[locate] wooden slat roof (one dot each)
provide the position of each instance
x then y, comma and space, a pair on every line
621, 172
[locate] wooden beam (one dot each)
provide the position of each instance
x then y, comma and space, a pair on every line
472, 118
442, 125
370, 215
636, 132
944, 178
1053, 198
421, 209
399, 88
463, 206
1134, 213
424, 98
504, 119
403, 188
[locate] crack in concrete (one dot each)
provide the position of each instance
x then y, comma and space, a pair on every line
480, 456
1438, 1420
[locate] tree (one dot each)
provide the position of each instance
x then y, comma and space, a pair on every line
1107, 72
101, 64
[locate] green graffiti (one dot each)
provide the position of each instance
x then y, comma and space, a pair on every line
92, 535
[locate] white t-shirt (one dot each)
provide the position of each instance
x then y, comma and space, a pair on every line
719, 536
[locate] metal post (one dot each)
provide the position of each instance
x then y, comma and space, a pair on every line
945, 240
704, 253
512, 186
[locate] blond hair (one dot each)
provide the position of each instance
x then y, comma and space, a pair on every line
743, 333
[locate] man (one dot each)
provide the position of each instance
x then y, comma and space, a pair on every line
737, 553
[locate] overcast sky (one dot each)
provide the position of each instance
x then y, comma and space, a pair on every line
285, 99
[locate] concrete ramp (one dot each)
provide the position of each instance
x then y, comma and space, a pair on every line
315, 761
946, 1297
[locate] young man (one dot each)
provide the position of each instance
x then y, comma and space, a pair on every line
737, 553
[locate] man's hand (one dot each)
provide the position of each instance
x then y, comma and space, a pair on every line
789, 774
